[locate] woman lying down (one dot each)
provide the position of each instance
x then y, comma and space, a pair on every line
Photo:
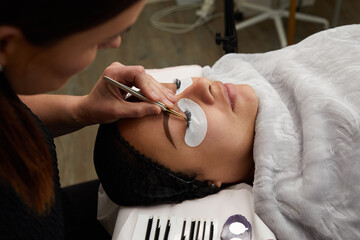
286, 121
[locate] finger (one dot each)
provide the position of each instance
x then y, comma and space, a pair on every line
136, 76
156, 91
171, 86
137, 110
151, 88
114, 70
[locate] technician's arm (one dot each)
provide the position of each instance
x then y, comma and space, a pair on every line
63, 114
59, 113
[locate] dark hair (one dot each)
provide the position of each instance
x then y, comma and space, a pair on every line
130, 178
44, 22
25, 162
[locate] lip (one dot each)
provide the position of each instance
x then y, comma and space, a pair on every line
230, 89
228, 92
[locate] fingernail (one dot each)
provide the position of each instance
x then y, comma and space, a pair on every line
172, 97
155, 95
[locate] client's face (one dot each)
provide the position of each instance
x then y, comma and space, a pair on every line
225, 154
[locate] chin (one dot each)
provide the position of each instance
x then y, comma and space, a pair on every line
45, 88
57, 85
247, 97
247, 92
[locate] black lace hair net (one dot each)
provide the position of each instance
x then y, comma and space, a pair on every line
129, 178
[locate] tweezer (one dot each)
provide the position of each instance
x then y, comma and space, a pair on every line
139, 95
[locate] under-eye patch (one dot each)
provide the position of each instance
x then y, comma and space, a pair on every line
197, 126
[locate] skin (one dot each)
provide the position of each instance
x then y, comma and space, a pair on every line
32, 70
225, 155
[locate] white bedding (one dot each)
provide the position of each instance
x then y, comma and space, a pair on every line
307, 143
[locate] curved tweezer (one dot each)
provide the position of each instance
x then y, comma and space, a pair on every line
139, 95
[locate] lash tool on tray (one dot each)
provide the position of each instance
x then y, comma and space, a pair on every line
139, 95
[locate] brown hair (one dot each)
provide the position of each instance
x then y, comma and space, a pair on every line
25, 161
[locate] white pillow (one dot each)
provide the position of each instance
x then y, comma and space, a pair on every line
237, 199
169, 74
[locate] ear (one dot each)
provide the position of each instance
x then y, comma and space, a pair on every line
8, 36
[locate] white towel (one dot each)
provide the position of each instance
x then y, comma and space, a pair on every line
307, 141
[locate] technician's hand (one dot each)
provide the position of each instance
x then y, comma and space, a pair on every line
106, 103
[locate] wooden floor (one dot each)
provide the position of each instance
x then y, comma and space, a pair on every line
153, 48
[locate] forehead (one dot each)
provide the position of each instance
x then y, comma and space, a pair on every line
114, 26
147, 135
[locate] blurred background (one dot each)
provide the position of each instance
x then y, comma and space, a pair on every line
147, 45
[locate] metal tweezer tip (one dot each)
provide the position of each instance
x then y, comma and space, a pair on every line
176, 113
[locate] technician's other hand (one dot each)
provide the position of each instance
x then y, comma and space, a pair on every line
106, 103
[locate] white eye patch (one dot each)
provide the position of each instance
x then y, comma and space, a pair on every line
185, 83
196, 131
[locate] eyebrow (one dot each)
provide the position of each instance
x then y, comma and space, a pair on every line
166, 117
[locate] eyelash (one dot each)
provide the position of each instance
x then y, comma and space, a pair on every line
178, 83
187, 112
188, 117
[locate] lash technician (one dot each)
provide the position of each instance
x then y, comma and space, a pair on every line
42, 45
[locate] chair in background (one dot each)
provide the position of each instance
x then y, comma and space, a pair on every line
291, 23
276, 13
336, 13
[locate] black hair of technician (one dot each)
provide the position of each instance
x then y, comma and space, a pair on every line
129, 178
44, 22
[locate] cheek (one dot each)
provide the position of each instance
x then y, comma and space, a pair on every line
84, 60
219, 125
219, 141
78, 61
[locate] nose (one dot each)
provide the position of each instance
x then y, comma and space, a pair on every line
200, 90
115, 42
111, 43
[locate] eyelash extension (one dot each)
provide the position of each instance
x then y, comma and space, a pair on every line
188, 117
178, 83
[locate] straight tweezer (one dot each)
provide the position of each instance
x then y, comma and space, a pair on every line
140, 96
